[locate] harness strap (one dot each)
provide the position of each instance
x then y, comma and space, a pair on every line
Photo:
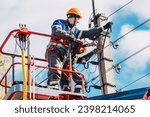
64, 42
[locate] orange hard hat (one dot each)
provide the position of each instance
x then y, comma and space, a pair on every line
74, 11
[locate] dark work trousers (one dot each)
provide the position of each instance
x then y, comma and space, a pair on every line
55, 60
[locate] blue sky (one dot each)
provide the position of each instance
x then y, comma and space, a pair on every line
39, 15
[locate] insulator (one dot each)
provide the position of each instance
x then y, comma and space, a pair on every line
116, 44
118, 68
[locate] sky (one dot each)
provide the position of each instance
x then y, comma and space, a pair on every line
38, 15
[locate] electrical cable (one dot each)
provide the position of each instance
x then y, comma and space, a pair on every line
39, 72
146, 21
134, 54
137, 52
134, 81
119, 9
93, 79
132, 30
125, 35
124, 61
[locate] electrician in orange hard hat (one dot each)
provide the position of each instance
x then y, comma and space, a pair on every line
74, 11
58, 47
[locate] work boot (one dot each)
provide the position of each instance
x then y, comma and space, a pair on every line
53, 85
78, 89
66, 88
56, 87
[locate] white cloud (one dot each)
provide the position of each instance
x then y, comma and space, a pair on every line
39, 15
134, 42
141, 8
136, 66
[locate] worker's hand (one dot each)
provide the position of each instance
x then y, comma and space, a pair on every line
108, 25
70, 38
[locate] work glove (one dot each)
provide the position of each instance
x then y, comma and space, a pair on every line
108, 25
70, 38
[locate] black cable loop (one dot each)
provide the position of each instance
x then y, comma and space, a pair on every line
86, 67
88, 90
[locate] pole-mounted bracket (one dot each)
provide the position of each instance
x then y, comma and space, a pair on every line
107, 59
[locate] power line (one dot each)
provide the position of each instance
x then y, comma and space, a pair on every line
132, 30
134, 81
93, 79
133, 54
123, 60
126, 34
40, 72
109, 15
78, 65
120, 8
129, 57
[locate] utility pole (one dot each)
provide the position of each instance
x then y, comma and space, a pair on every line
104, 55
105, 59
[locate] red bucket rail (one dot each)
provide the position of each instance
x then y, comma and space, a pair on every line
14, 33
39, 66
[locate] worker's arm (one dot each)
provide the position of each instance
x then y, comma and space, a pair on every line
57, 29
93, 32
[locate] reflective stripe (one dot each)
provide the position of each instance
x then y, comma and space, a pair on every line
57, 26
61, 43
56, 87
54, 82
73, 30
78, 86
79, 36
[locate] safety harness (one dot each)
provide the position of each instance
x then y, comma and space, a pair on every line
78, 47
